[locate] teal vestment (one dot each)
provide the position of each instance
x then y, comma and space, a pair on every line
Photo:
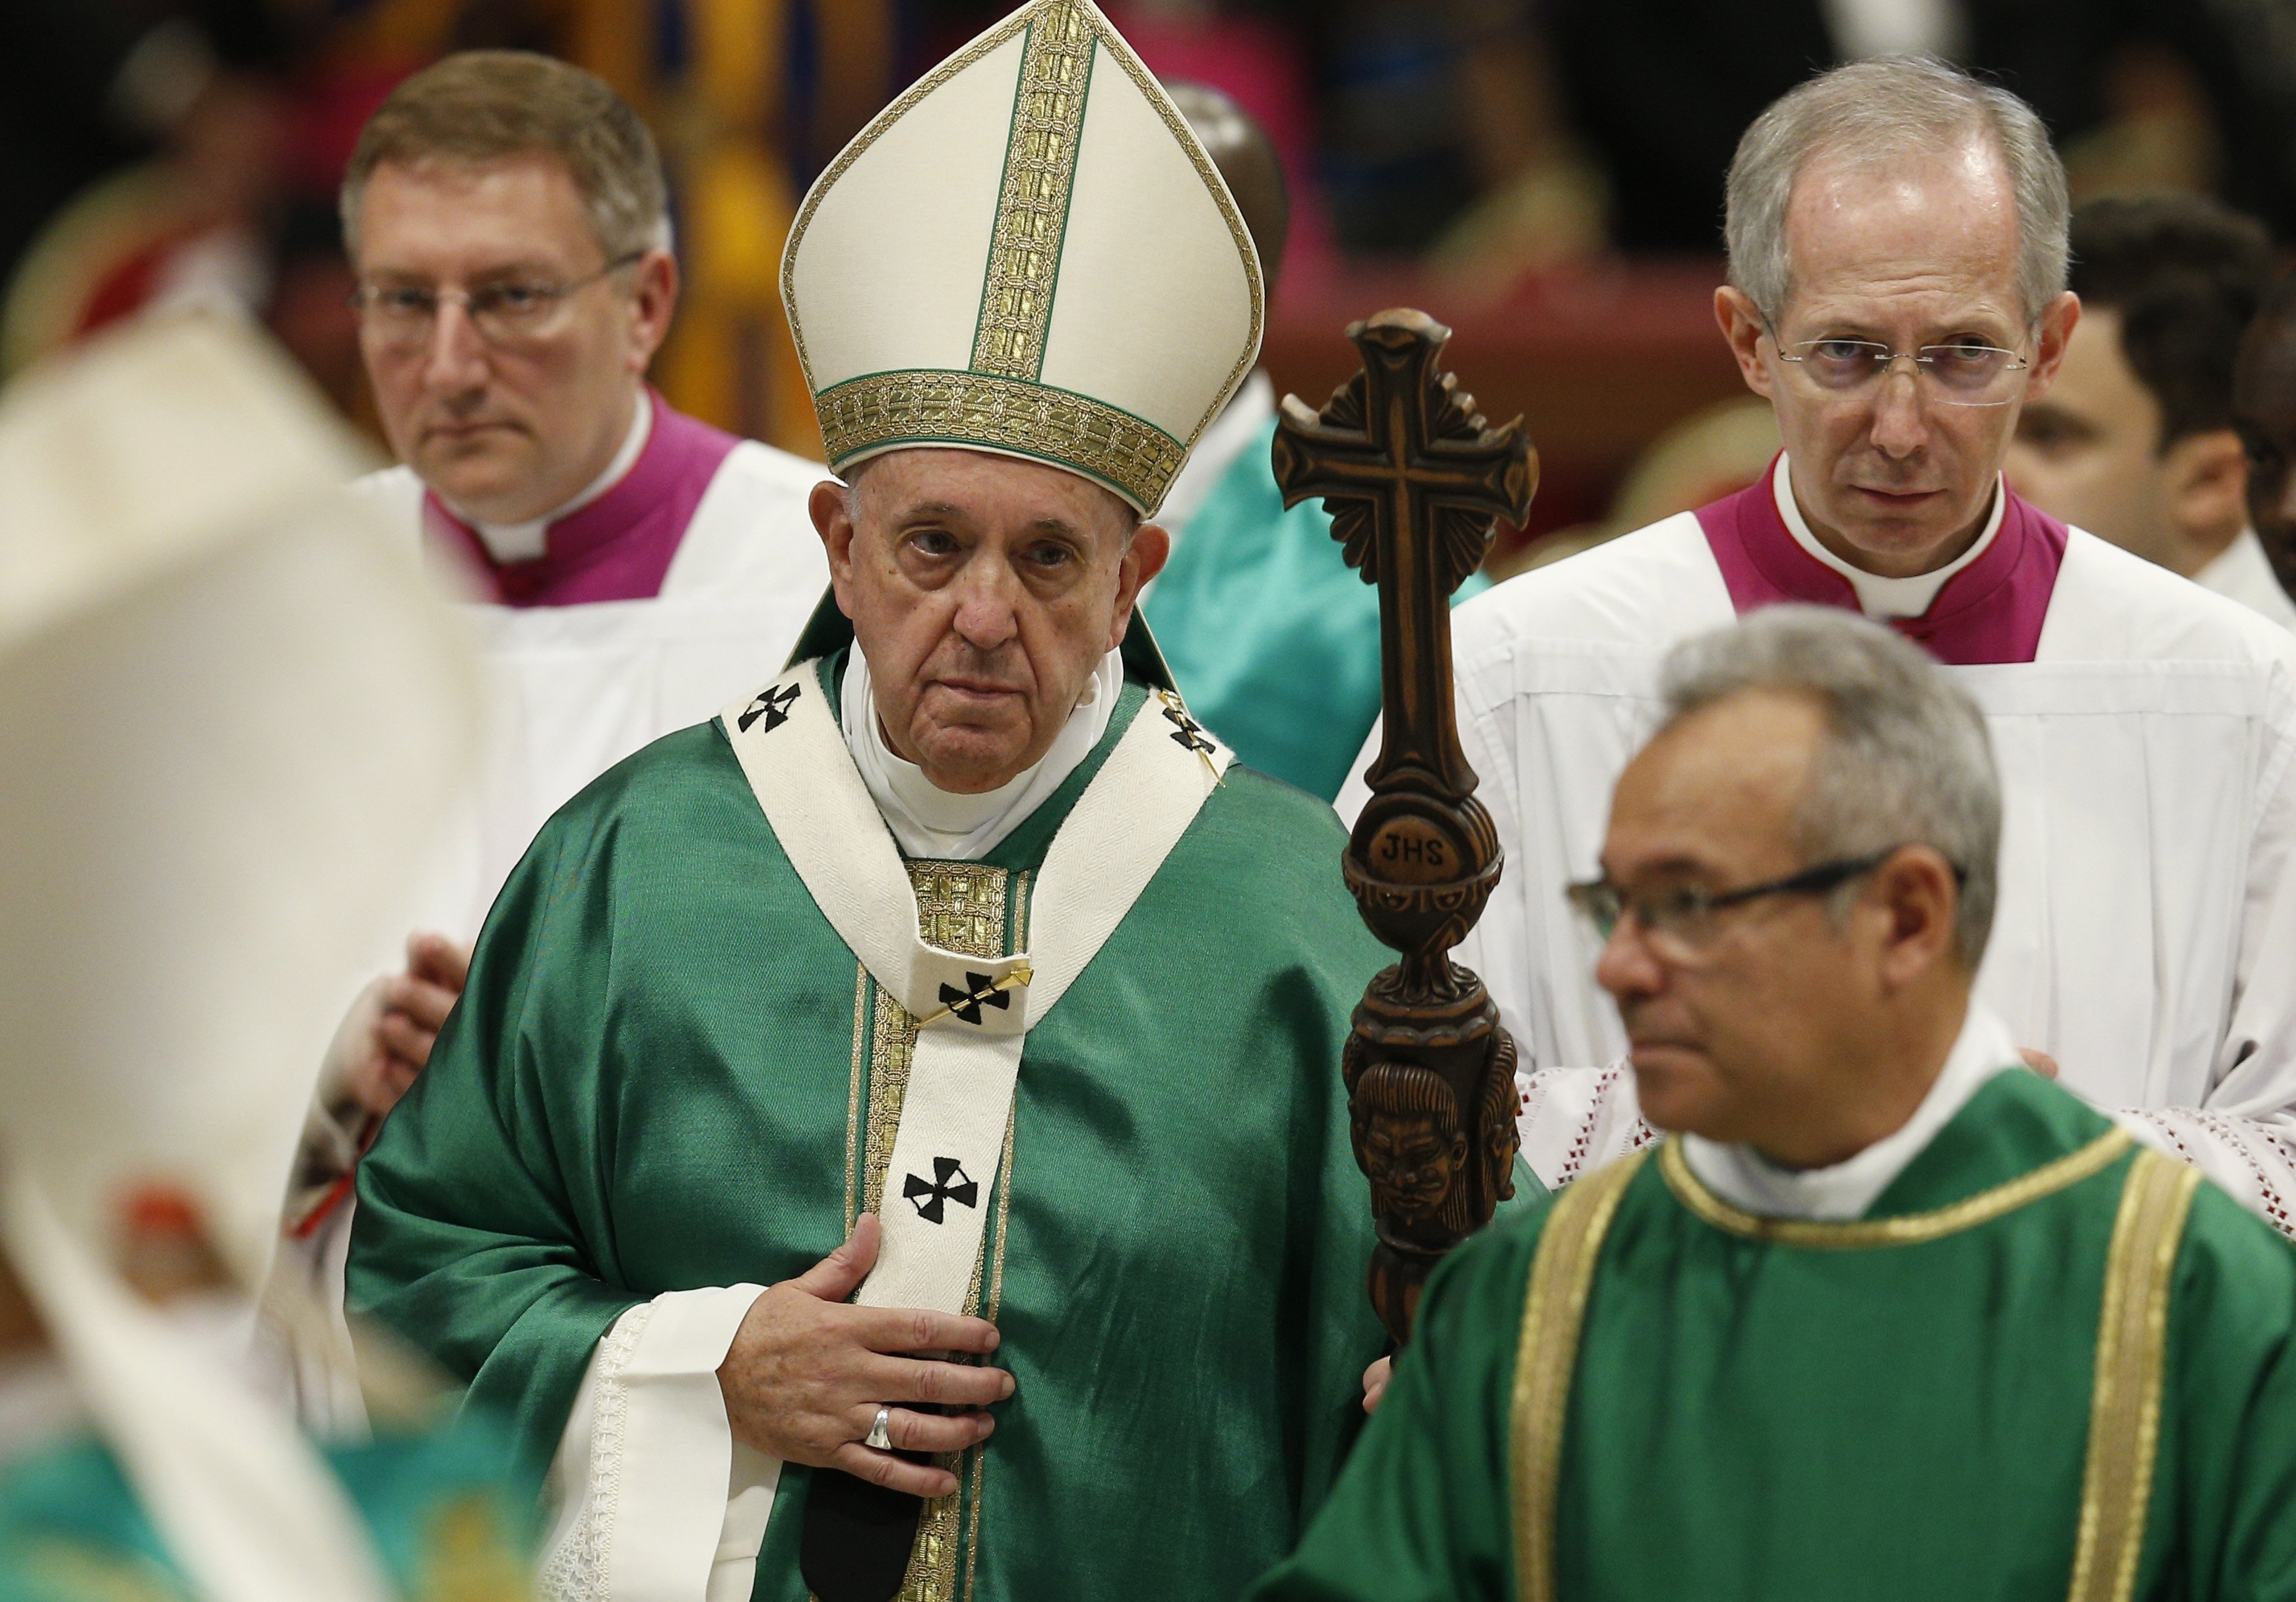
1901, 1406
669, 1073
1272, 638
71, 1529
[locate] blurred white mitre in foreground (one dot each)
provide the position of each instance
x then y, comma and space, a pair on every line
230, 714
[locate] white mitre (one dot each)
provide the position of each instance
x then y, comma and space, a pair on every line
1029, 253
230, 715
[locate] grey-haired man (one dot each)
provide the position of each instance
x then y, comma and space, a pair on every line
1889, 1317
1897, 236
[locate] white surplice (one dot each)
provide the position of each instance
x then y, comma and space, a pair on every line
570, 691
2145, 935
2244, 572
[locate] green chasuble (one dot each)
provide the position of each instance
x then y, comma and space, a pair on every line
1273, 638
669, 1073
71, 1528
1948, 1398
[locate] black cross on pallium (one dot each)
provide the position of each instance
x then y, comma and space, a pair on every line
951, 1185
773, 706
1190, 733
981, 991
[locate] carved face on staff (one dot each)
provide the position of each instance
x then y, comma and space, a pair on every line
1410, 1144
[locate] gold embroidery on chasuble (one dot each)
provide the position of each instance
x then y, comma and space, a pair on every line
2131, 1352
960, 907
2132, 1346
1554, 1308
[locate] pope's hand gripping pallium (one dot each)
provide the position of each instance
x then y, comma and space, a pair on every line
960, 943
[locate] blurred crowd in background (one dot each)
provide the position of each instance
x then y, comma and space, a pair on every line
1544, 175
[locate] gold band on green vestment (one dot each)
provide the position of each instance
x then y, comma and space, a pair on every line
2132, 1336
1904, 1230
1562, 1275
2132, 1341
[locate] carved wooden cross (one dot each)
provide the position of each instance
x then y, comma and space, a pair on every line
1415, 480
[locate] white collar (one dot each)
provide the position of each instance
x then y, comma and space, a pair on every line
1877, 596
1745, 1179
928, 821
530, 540
2243, 571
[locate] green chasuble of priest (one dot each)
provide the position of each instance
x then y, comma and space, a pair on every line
1906, 1406
1273, 638
669, 1073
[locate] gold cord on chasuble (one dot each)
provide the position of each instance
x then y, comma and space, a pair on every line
2156, 1196
966, 907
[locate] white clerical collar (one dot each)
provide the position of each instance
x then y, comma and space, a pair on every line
2243, 571
1745, 1179
928, 821
1877, 596
529, 541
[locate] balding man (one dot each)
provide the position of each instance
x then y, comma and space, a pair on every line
1888, 1317
1897, 235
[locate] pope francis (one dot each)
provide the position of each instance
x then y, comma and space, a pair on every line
960, 944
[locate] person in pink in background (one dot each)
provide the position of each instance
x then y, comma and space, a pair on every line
1258, 64
631, 567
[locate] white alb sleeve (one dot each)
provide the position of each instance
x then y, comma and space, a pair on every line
1573, 1120
2242, 1134
656, 1500
2253, 1158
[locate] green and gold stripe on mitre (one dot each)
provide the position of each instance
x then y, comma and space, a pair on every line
1033, 202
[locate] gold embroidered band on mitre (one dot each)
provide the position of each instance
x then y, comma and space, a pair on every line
1032, 205
884, 411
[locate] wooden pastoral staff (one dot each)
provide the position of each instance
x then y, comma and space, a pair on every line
1413, 480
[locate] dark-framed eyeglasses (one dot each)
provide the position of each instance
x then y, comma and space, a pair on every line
1957, 372
1684, 921
502, 311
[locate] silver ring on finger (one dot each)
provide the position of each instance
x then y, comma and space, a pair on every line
878, 1436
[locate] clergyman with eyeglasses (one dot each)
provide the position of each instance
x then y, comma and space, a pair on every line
1886, 1315
633, 567
1897, 234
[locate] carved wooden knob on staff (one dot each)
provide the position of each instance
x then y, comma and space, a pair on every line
1415, 481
